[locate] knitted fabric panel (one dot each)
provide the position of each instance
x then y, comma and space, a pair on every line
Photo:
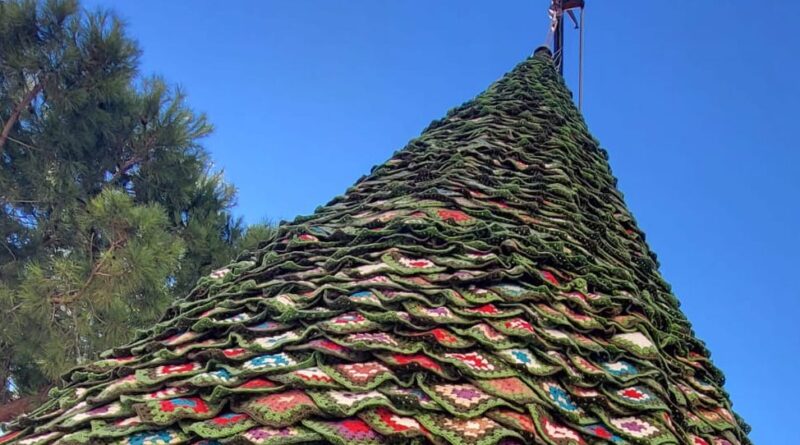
485, 285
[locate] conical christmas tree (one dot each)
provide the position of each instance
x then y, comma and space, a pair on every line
485, 285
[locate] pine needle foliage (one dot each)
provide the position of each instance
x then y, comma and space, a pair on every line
109, 208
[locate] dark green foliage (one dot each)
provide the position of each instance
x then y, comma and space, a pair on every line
108, 208
113, 279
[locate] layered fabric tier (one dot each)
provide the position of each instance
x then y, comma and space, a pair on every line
486, 285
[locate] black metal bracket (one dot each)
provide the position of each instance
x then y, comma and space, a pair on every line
557, 10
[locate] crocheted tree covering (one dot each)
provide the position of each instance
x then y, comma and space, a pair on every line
486, 285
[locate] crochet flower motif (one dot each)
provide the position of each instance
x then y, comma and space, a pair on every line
416, 394
557, 431
130, 421
348, 398
234, 352
521, 357
636, 339
587, 365
474, 360
559, 395
372, 337
510, 386
486, 309
162, 437
518, 324
523, 420
106, 410
603, 433
549, 277
464, 395
438, 312
471, 428
635, 394
364, 297
415, 263
396, 422
229, 418
619, 368
257, 383
349, 318
511, 289
313, 374
419, 359
453, 215
237, 318
168, 392
193, 404
284, 401
355, 429
178, 369
41, 438
220, 273
324, 343
635, 427
266, 342
8, 437
269, 361
260, 434
361, 372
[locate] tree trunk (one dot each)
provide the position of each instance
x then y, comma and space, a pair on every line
5, 374
17, 112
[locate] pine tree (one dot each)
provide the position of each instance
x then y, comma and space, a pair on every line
80, 300
108, 205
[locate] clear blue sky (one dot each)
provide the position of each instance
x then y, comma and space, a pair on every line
696, 101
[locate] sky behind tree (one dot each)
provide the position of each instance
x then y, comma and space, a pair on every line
695, 102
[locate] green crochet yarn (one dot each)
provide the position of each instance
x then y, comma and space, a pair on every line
486, 285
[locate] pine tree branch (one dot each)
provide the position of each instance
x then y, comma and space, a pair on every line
149, 149
29, 146
8, 248
74, 295
17, 112
123, 169
97, 267
5, 374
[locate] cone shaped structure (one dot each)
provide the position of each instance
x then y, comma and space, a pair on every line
485, 285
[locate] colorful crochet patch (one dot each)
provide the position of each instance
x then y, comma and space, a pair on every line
279, 436
165, 412
388, 423
552, 431
223, 425
487, 285
279, 409
528, 360
346, 432
472, 431
641, 429
363, 376
463, 400
269, 362
347, 403
477, 364
158, 437
509, 388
